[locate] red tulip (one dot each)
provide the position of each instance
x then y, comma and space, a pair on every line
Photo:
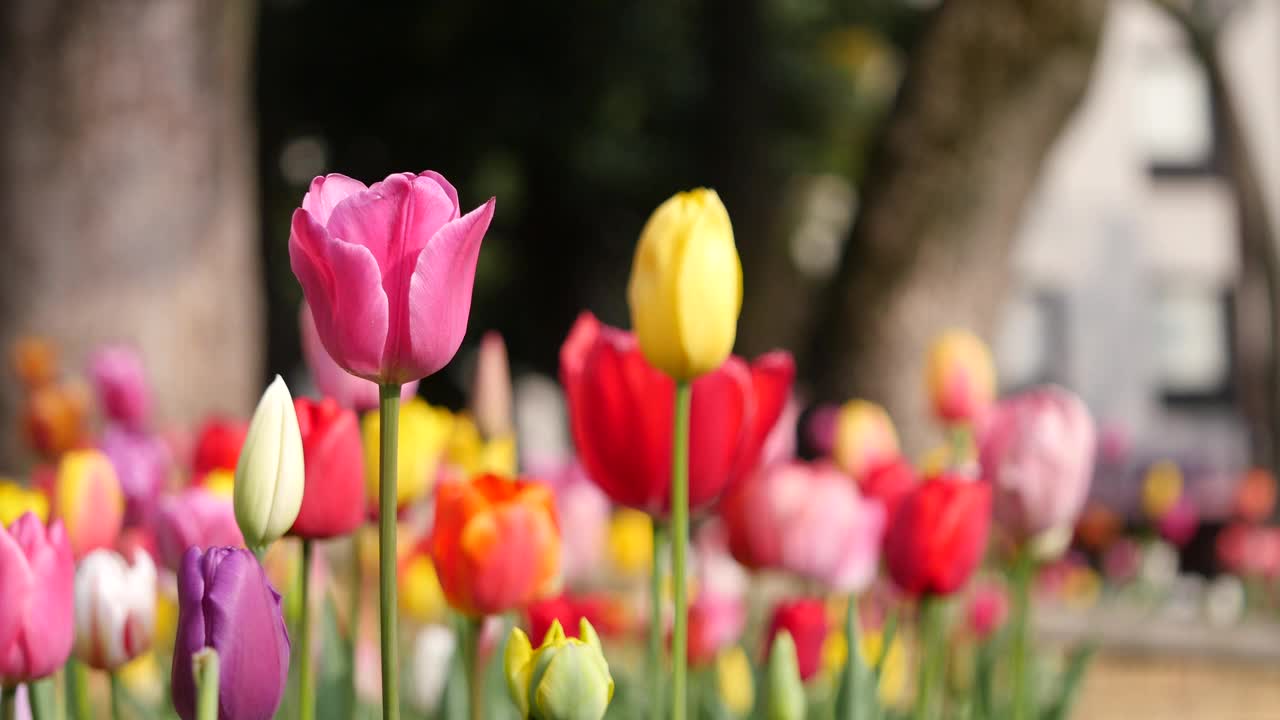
333, 498
889, 483
218, 446
937, 536
620, 411
806, 620
605, 614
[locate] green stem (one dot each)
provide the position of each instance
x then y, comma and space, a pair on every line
389, 419
205, 668
40, 698
78, 679
473, 666
852, 671
1023, 571
679, 544
959, 445
306, 671
9, 703
117, 697
353, 630
933, 660
654, 664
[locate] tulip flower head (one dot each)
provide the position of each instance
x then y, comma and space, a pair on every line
195, 517
804, 621
270, 475
987, 610
225, 602
865, 438
333, 499
1037, 452
495, 543
961, 377
16, 501
142, 463
115, 608
406, 258
938, 535
563, 679
88, 499
218, 446
491, 388
685, 290
1255, 497
37, 577
331, 380
889, 483
121, 384
620, 411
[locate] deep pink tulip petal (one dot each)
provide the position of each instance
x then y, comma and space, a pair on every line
326, 192
16, 582
439, 296
446, 186
343, 285
394, 219
331, 380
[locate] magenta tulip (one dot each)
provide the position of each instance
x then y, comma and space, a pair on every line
37, 590
1037, 453
388, 271
121, 385
195, 517
331, 380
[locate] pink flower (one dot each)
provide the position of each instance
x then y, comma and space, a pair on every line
388, 271
1180, 522
195, 517
807, 519
331, 380
715, 622
987, 611
121, 384
1037, 452
37, 578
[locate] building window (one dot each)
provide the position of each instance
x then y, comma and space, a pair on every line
1174, 117
1193, 344
1031, 345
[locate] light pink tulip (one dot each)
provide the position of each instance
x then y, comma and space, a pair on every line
195, 517
38, 576
491, 388
1037, 451
388, 271
807, 519
331, 380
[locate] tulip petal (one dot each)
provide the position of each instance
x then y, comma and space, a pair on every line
343, 284
16, 582
326, 192
718, 427
439, 296
771, 377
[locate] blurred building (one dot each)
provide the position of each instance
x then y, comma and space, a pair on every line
1128, 252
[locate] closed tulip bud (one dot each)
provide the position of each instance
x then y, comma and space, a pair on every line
333, 496
564, 679
270, 475
115, 606
495, 544
865, 438
685, 290
938, 535
424, 436
491, 389
88, 499
196, 517
37, 577
784, 689
961, 377
804, 623
225, 602
121, 384
16, 501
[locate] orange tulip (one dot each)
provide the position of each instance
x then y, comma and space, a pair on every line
495, 543
88, 499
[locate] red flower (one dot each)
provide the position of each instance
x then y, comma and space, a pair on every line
620, 411
715, 622
606, 615
333, 498
889, 483
806, 620
218, 446
938, 534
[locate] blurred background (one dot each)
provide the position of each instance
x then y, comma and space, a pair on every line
1093, 186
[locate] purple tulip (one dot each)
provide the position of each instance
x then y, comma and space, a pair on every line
226, 602
142, 463
121, 384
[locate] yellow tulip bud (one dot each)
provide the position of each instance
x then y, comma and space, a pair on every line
15, 500
631, 543
961, 377
734, 681
269, 475
865, 437
425, 431
685, 291
564, 679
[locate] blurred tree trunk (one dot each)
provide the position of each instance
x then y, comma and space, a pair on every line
127, 193
987, 91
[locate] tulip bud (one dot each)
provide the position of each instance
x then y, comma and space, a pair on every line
88, 499
491, 389
685, 290
865, 438
36, 595
226, 603
270, 475
564, 679
115, 606
961, 377
784, 690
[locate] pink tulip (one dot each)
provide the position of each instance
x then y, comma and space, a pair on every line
121, 384
988, 609
582, 510
331, 380
195, 517
807, 519
1180, 522
491, 388
37, 577
1037, 452
715, 623
388, 271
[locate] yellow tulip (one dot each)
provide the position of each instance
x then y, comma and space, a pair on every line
88, 499
473, 455
734, 681
685, 290
1161, 488
221, 483
865, 437
424, 434
631, 543
961, 377
421, 596
15, 500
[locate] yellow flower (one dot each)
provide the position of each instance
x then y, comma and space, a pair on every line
142, 676
421, 597
734, 681
865, 437
631, 543
960, 376
1161, 488
221, 483
16, 500
469, 452
685, 290
424, 434
564, 679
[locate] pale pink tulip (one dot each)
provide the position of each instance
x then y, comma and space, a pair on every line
388, 271
331, 380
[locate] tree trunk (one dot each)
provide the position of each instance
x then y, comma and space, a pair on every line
127, 194
989, 88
